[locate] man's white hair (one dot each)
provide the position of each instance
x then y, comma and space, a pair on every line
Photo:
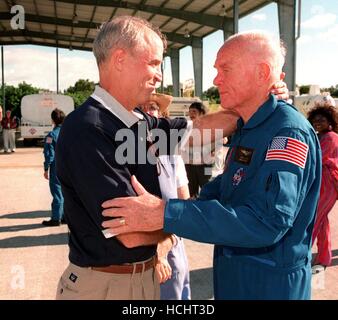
264, 47
124, 32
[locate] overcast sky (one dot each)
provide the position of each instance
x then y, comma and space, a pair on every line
317, 51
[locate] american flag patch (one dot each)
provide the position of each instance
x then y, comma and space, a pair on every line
49, 140
288, 149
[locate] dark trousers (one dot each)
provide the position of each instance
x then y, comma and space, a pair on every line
198, 175
57, 203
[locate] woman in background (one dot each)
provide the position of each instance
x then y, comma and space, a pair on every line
171, 267
324, 119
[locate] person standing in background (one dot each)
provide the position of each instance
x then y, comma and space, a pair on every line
198, 160
9, 124
49, 170
324, 119
171, 265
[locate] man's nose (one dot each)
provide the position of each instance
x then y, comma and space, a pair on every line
158, 74
216, 80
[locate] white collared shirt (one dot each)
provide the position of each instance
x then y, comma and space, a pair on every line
129, 118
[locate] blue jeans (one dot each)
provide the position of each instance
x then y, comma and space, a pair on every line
57, 203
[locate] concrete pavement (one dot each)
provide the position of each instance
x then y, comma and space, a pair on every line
32, 257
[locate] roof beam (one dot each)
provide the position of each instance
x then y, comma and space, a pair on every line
182, 8
44, 35
55, 20
174, 37
90, 23
38, 43
48, 35
265, 3
200, 18
179, 38
9, 9
135, 11
162, 5
51, 20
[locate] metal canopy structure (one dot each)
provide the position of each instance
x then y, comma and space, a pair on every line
73, 24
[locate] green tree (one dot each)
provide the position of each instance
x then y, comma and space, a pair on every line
81, 85
166, 90
304, 89
80, 92
333, 91
212, 95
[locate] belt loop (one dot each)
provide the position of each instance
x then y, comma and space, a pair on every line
131, 281
142, 274
143, 268
133, 273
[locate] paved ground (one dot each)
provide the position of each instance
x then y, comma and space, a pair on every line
32, 257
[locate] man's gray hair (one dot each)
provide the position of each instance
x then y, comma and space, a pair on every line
262, 45
124, 32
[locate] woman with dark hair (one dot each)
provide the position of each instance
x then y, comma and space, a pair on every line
57, 218
324, 119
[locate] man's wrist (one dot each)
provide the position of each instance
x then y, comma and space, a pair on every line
173, 239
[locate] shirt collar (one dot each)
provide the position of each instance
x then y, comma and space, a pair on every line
263, 112
116, 108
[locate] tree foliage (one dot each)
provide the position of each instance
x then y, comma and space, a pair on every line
80, 92
212, 95
166, 90
81, 85
304, 89
333, 91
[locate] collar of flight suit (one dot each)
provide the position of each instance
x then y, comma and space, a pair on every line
110, 103
262, 113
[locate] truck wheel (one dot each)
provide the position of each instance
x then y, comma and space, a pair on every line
28, 142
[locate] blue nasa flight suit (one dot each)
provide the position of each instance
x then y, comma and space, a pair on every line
259, 213
49, 163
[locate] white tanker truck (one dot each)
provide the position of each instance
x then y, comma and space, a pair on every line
36, 112
305, 102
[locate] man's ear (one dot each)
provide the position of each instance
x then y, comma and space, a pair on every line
118, 58
263, 72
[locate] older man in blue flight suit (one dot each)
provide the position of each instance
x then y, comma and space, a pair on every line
49, 166
260, 212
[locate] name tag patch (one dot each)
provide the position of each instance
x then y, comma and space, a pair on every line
243, 155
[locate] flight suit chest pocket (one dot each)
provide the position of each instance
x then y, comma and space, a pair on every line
282, 192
